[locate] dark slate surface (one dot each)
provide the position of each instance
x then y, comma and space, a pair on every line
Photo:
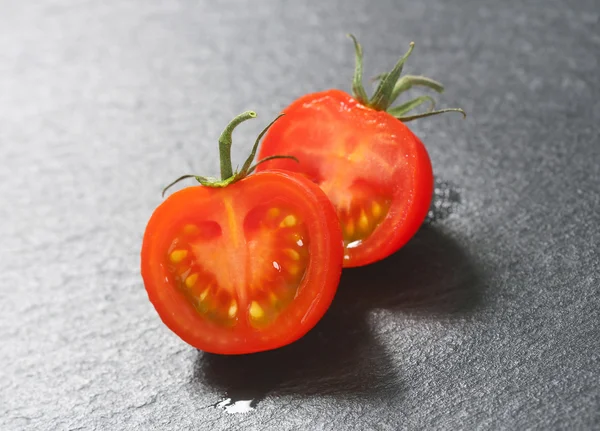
488, 319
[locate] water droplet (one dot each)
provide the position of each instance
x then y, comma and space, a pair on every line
232, 407
354, 244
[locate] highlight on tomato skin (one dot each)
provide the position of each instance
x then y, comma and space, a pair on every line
373, 168
248, 266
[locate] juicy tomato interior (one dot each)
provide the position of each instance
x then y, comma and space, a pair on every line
244, 268
207, 266
374, 170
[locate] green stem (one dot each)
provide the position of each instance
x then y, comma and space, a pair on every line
266, 159
430, 114
382, 99
358, 90
225, 142
408, 81
181, 178
398, 111
392, 85
252, 155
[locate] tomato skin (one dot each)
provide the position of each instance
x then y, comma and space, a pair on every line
334, 120
314, 294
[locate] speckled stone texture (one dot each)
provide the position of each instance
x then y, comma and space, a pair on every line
488, 319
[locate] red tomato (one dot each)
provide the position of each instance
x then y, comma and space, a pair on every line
374, 170
243, 268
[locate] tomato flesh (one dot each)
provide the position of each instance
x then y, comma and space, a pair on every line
244, 268
374, 170
205, 267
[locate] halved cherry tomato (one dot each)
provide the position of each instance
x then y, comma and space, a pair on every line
245, 267
374, 170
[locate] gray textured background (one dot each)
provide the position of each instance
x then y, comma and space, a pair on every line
488, 319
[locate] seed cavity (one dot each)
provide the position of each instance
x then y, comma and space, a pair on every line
269, 291
361, 219
190, 229
292, 254
178, 255
273, 212
293, 269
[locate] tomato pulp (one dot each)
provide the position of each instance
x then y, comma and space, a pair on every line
244, 268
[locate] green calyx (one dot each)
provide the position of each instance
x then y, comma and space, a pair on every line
392, 85
228, 175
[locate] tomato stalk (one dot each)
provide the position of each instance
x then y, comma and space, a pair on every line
226, 140
228, 176
392, 85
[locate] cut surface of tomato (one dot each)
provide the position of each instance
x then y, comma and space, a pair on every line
243, 268
374, 170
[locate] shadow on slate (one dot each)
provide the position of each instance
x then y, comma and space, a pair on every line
430, 276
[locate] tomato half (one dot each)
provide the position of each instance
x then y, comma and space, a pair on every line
374, 170
244, 268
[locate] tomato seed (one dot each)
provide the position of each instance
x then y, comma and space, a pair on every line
191, 280
178, 255
288, 221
